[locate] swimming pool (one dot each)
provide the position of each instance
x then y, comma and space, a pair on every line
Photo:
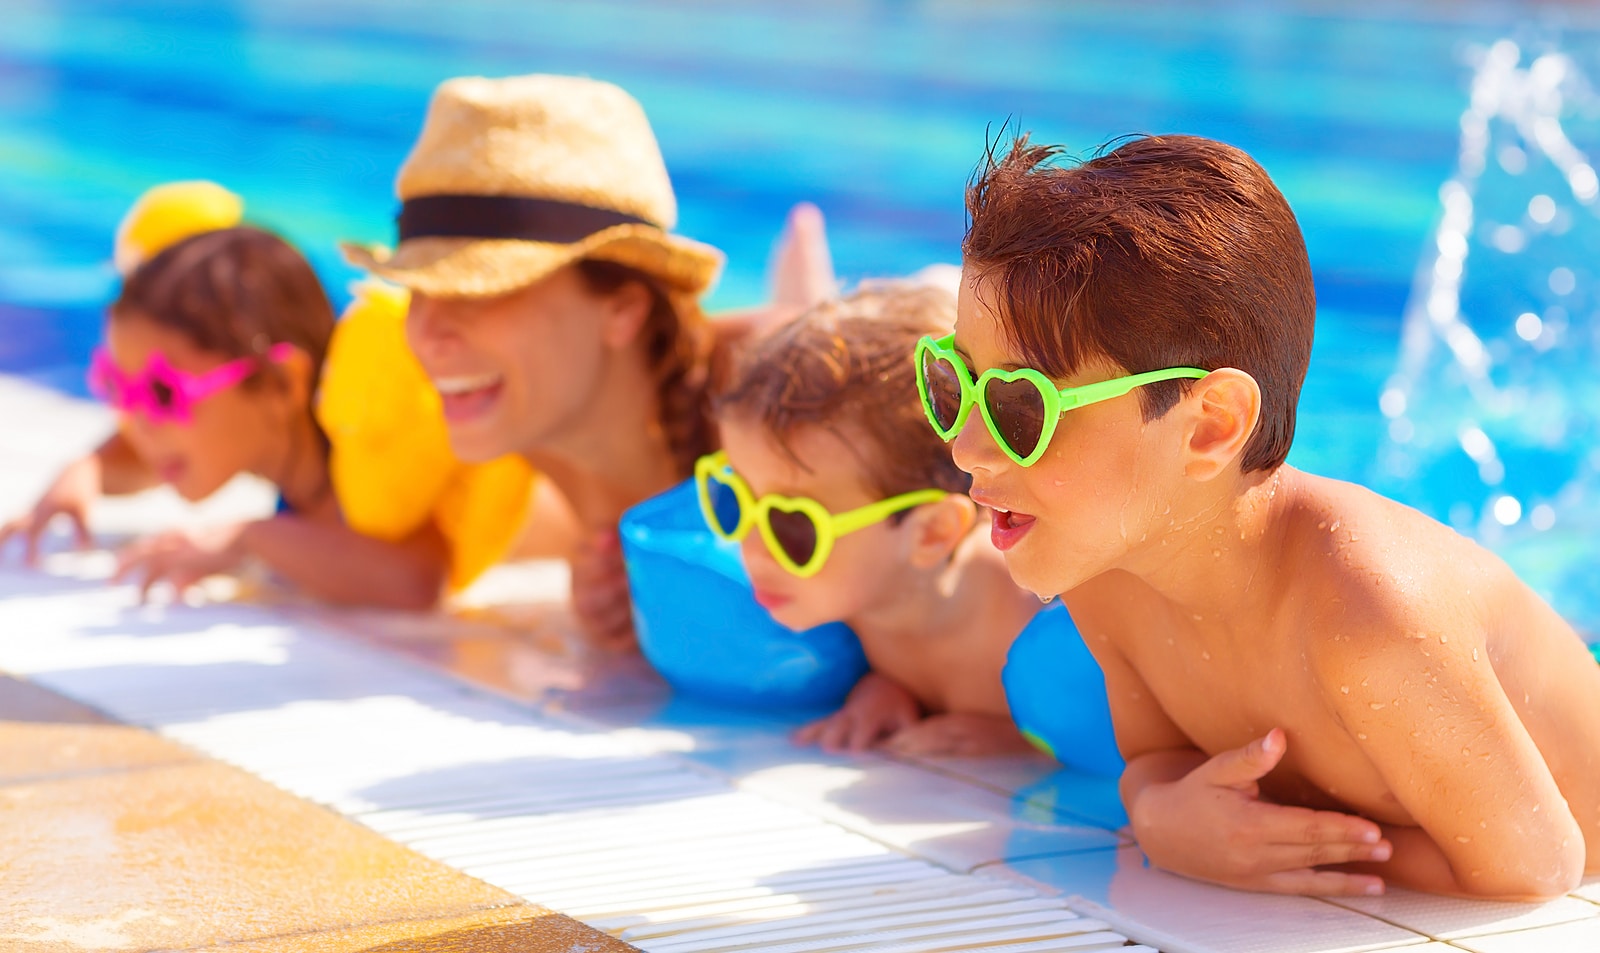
878, 111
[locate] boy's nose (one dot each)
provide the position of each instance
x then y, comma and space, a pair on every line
974, 448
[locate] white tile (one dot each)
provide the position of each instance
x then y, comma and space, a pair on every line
1582, 936
946, 820
1590, 890
1178, 915
1039, 783
1448, 918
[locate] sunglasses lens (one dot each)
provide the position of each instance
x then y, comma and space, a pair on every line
943, 384
163, 393
796, 534
724, 506
1017, 409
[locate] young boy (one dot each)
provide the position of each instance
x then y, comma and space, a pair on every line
1316, 690
824, 408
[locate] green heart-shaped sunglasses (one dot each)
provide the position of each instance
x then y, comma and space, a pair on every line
1021, 407
799, 531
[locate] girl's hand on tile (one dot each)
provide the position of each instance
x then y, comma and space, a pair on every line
70, 496
181, 558
877, 708
1212, 825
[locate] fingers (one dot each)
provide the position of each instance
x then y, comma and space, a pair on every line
80, 529
808, 734
1303, 826
1321, 883
1243, 767
1279, 857
835, 734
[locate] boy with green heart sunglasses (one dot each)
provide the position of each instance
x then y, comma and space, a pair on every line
799, 531
1020, 407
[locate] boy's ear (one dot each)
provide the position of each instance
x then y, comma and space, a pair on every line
938, 528
1224, 407
625, 312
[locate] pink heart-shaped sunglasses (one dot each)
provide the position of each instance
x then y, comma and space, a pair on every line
163, 393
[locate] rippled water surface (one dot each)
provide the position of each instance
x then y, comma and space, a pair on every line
1434, 152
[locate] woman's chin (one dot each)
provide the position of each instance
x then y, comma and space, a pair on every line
477, 444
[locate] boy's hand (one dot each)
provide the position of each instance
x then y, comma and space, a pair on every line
959, 734
1212, 825
72, 493
600, 596
181, 558
877, 708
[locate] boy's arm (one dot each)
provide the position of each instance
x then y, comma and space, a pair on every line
1430, 713
1203, 817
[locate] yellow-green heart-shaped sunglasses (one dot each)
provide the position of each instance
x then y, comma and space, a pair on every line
799, 531
1021, 407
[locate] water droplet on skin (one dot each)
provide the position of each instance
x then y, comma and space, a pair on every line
1363, 683
1197, 617
1377, 706
1536, 809
1046, 600
1361, 736
1215, 553
1344, 689
1444, 639
1461, 839
1466, 752
1322, 525
1474, 655
1334, 526
1205, 656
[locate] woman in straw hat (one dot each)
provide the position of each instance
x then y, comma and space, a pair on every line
551, 306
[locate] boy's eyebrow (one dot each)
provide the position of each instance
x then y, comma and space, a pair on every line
962, 353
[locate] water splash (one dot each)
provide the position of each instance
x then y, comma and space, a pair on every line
1493, 405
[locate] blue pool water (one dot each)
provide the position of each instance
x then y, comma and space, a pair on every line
878, 111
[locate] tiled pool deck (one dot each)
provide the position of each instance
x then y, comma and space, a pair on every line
479, 746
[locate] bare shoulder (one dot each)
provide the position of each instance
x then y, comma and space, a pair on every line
1377, 571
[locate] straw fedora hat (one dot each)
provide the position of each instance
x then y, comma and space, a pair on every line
513, 178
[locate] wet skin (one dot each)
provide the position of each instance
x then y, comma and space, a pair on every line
931, 601
1416, 681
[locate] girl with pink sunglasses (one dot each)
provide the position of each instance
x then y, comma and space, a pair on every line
214, 350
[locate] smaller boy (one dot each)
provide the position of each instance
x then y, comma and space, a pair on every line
822, 413
1316, 690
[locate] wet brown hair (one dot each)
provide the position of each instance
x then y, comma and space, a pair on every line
849, 363
1167, 251
679, 344
234, 292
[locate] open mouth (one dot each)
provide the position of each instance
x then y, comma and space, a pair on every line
467, 396
1008, 528
171, 470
